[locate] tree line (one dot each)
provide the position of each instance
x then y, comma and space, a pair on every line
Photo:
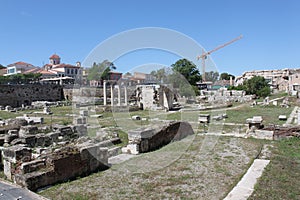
20, 78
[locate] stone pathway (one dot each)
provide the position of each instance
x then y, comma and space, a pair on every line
292, 116
245, 187
9, 191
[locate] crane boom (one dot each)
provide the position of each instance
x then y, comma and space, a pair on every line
204, 54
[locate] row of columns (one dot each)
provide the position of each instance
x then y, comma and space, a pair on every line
112, 94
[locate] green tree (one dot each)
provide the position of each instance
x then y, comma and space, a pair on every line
101, 70
211, 76
226, 76
264, 92
160, 75
2, 67
257, 85
188, 69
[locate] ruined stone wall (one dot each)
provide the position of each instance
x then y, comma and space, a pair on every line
62, 166
16, 95
151, 138
84, 92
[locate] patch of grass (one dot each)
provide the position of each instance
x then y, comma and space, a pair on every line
269, 114
8, 115
280, 180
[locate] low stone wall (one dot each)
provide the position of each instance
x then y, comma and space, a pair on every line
16, 95
148, 139
61, 166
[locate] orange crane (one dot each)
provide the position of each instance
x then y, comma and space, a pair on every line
204, 54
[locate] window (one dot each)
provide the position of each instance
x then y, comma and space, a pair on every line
11, 71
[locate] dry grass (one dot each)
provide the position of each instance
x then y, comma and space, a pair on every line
208, 169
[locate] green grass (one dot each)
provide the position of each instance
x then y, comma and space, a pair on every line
280, 180
8, 115
269, 114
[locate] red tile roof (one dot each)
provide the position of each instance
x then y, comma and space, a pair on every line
54, 56
20, 63
39, 70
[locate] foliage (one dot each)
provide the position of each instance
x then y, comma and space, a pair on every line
239, 87
101, 71
188, 69
160, 75
128, 74
211, 76
226, 76
256, 85
2, 67
20, 78
264, 92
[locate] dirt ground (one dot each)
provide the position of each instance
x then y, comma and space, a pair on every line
198, 167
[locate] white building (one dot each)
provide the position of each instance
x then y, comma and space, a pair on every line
19, 68
62, 69
280, 80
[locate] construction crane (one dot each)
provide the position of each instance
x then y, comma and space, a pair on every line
204, 54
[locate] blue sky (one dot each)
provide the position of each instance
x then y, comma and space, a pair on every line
32, 30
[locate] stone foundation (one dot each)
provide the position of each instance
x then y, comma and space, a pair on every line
151, 138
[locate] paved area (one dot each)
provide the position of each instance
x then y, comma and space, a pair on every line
246, 185
9, 191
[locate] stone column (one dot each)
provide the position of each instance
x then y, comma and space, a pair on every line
112, 94
119, 95
125, 93
104, 93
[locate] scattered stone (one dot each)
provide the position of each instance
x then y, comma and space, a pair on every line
84, 113
136, 117
282, 117
96, 116
8, 108
204, 118
255, 121
28, 130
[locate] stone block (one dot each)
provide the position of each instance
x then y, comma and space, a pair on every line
29, 140
204, 118
10, 137
114, 151
32, 166
282, 117
64, 130
84, 113
17, 153
81, 130
151, 138
53, 136
136, 117
28, 130
79, 120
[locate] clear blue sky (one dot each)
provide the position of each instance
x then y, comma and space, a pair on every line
32, 30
